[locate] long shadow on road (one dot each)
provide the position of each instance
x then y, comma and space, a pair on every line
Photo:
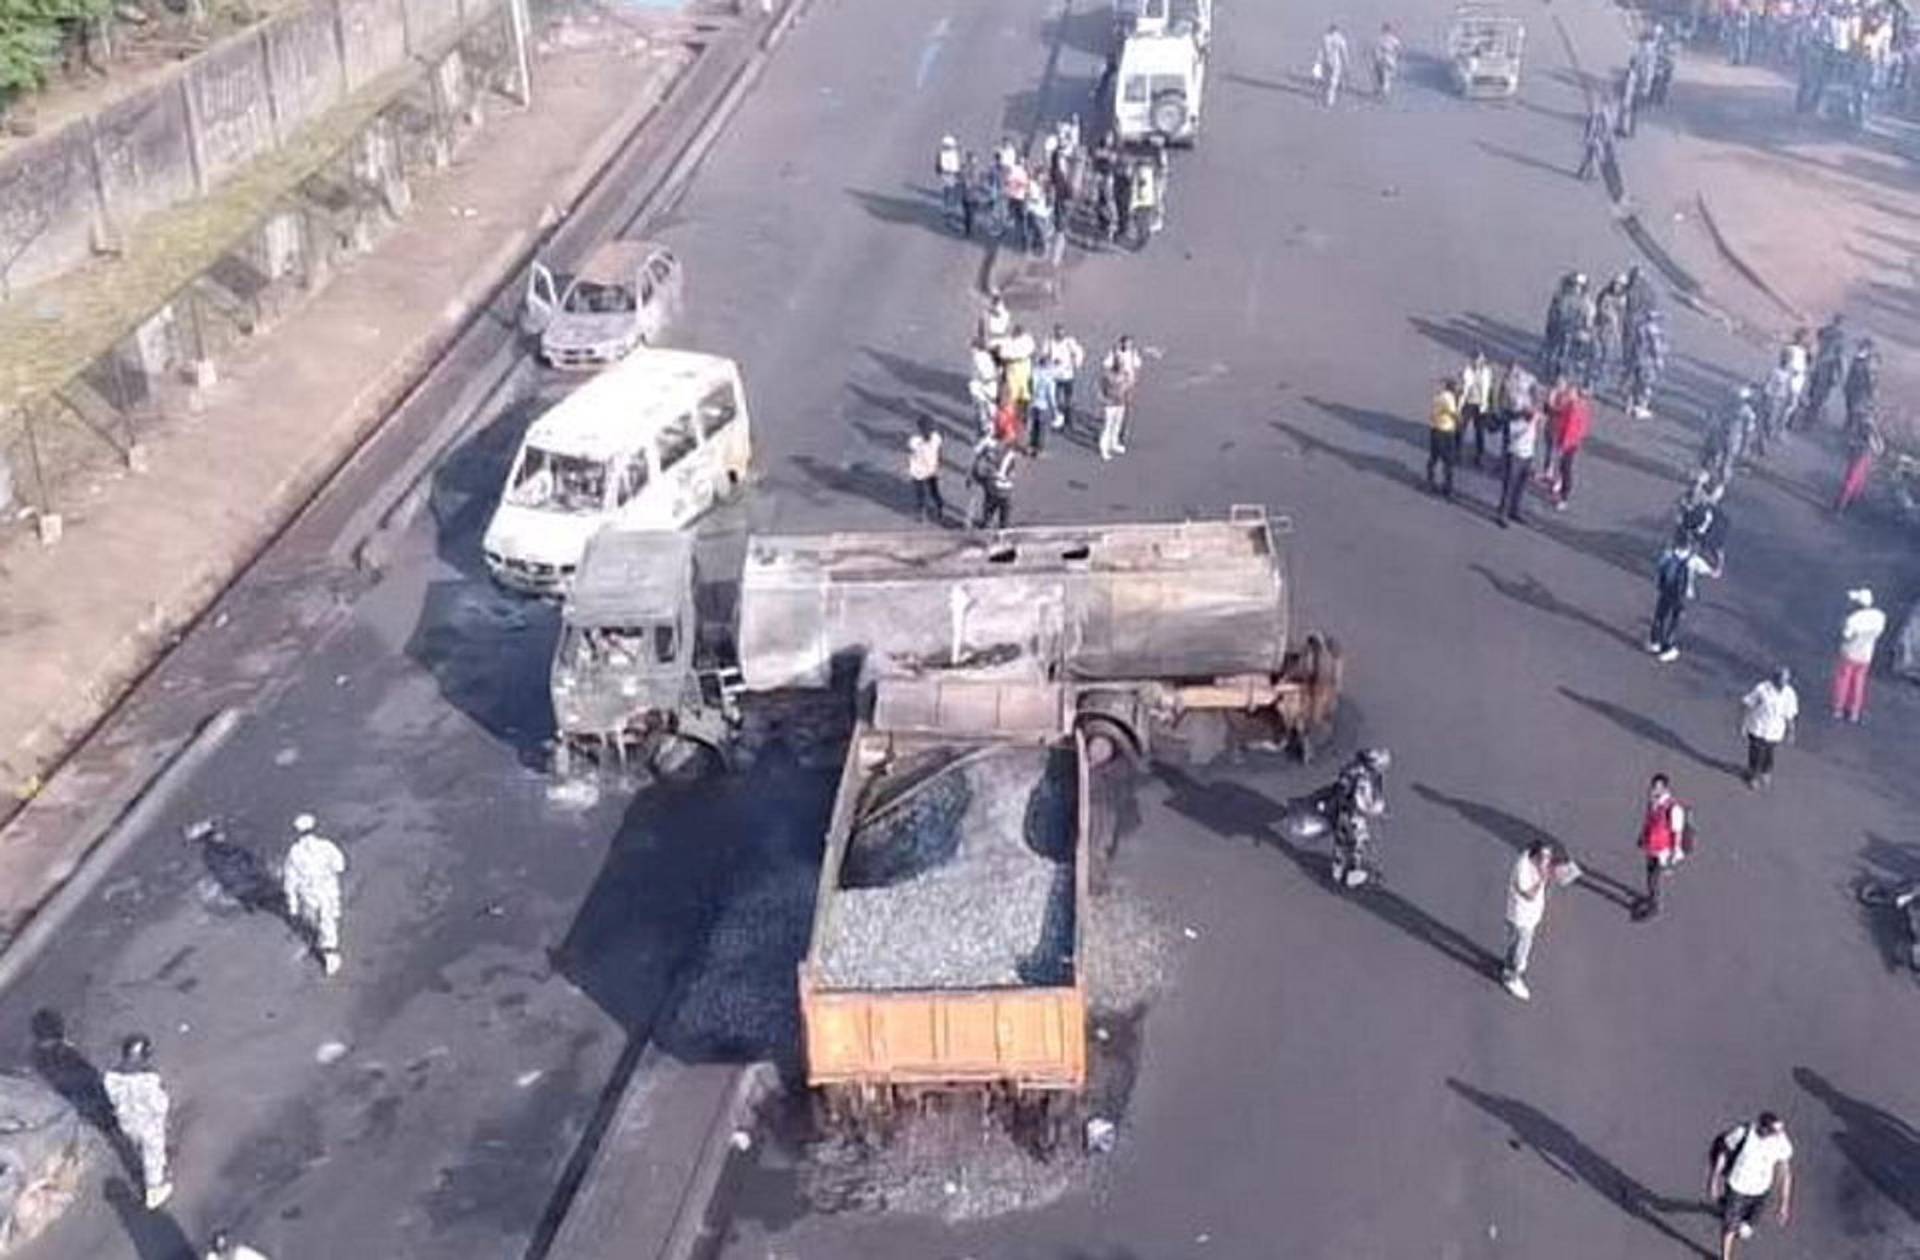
1533, 593
1519, 835
1646, 728
1235, 811
1567, 1155
1883, 1147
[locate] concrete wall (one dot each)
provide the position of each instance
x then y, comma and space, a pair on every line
90, 181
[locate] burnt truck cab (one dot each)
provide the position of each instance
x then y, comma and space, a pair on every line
627, 680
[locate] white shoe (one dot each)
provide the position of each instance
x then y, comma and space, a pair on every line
1744, 1229
157, 1196
1106, 455
330, 961
1670, 655
1518, 987
1119, 449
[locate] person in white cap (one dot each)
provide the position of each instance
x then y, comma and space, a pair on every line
1859, 635
310, 878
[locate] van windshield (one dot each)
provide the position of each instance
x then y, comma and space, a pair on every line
558, 483
587, 297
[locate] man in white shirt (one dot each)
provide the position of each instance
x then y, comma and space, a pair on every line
1063, 355
1743, 1167
923, 469
1859, 635
1771, 708
1526, 904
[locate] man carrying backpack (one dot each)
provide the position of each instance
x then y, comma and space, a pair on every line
1673, 581
1744, 1165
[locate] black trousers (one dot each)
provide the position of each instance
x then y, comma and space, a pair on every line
1566, 473
1474, 420
1063, 401
1654, 871
927, 500
1759, 756
1443, 452
1666, 619
996, 510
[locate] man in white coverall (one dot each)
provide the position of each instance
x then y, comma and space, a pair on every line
310, 879
140, 1106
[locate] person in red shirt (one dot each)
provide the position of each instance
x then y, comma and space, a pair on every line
1662, 833
1569, 417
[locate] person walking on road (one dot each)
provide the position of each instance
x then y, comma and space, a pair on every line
223, 1246
923, 469
1861, 388
1597, 145
1829, 363
996, 321
1330, 68
1675, 576
140, 1107
1864, 445
1859, 636
1476, 404
1745, 1166
1119, 376
993, 469
310, 879
1063, 355
1516, 463
1386, 61
1443, 438
1569, 418
983, 386
1527, 886
1771, 710
1663, 841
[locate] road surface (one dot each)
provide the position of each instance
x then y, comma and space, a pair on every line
1320, 1076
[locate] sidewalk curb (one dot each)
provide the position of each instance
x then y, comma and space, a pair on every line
755, 1083
114, 839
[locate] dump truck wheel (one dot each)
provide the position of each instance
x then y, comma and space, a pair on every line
1109, 737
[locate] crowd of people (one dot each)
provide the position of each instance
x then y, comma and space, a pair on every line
1847, 55
1037, 200
1021, 388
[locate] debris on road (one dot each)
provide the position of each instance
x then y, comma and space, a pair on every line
330, 1052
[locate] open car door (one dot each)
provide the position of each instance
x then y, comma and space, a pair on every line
542, 300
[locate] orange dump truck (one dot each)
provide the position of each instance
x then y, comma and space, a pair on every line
946, 946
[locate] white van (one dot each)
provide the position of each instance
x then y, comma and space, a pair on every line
1157, 89
651, 443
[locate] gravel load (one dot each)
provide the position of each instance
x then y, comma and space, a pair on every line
962, 878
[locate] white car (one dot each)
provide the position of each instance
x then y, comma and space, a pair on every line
624, 296
1157, 90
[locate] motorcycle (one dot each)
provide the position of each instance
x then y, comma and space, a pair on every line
1904, 897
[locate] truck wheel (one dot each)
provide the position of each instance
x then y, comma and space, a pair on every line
1108, 738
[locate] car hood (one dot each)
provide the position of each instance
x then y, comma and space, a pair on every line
575, 332
539, 535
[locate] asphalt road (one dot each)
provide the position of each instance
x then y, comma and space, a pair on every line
1321, 1076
